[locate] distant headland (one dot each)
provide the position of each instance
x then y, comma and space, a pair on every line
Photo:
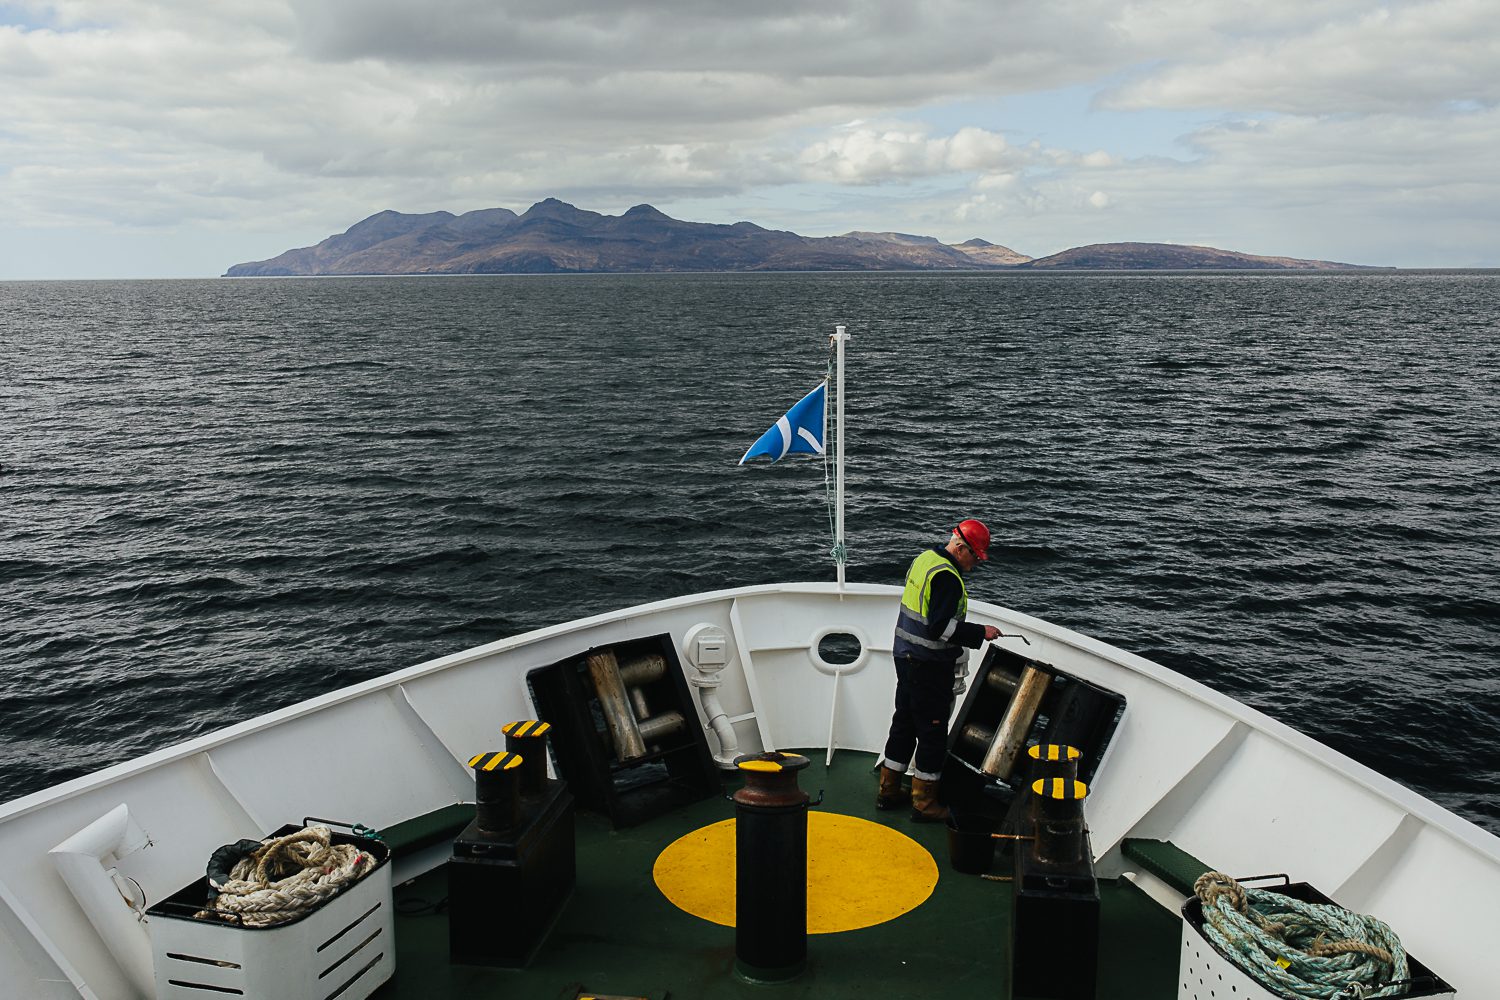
555, 237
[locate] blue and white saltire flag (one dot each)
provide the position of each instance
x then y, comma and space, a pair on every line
803, 429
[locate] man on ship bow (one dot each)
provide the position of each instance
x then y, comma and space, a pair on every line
931, 650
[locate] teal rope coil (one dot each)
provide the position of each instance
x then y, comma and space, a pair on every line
1299, 949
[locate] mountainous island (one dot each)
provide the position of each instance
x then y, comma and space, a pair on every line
555, 237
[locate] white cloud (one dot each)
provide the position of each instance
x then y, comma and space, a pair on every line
1409, 56
987, 181
311, 114
868, 156
812, 45
1357, 190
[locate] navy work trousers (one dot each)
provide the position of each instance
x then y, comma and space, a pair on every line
924, 700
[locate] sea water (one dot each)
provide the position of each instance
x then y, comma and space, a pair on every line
220, 497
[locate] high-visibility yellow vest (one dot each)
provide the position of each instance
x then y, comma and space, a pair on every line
911, 624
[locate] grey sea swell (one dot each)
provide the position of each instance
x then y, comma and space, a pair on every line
220, 497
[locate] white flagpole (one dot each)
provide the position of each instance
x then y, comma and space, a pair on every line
839, 336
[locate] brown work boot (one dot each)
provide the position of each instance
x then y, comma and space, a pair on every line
925, 807
891, 794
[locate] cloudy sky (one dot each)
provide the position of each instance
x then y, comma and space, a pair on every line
172, 138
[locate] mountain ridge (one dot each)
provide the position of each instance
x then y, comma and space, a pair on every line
553, 236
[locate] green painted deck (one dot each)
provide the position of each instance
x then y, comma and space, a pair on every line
618, 935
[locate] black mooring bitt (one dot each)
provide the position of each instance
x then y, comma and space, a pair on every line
770, 814
497, 786
513, 868
528, 739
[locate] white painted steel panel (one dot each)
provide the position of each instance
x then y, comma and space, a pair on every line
20, 964
185, 813
356, 762
1155, 751
1442, 898
466, 705
1272, 809
797, 696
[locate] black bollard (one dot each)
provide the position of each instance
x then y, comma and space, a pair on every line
770, 815
497, 781
513, 869
1053, 760
529, 739
1059, 824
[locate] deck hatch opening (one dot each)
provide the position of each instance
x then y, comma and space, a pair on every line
355, 978
359, 920
354, 951
219, 962
206, 987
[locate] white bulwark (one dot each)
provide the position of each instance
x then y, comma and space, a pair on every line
1223, 782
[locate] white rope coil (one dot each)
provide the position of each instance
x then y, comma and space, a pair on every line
288, 876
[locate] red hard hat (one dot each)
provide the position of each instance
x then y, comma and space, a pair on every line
976, 536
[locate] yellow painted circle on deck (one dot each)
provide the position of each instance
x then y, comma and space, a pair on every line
858, 873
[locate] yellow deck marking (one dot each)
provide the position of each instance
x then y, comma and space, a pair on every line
858, 873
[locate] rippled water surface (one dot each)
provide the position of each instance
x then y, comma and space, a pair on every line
220, 497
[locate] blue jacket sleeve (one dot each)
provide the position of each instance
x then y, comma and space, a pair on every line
942, 608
